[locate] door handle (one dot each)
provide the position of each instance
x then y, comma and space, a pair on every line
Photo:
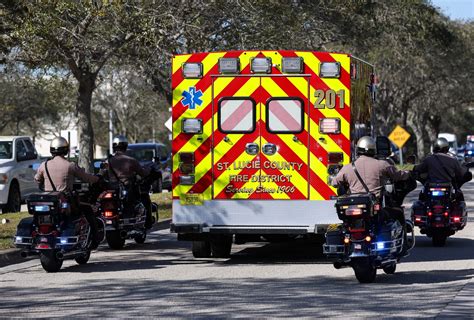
251, 148
269, 149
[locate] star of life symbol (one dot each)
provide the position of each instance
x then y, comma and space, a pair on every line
192, 98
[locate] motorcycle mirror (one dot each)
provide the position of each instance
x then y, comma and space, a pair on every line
383, 147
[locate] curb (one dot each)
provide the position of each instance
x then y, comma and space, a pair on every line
12, 256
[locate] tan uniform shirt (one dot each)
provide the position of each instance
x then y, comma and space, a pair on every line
125, 167
62, 174
374, 173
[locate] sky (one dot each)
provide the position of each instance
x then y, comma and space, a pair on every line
456, 9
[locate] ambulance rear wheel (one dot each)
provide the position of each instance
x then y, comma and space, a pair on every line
201, 249
221, 246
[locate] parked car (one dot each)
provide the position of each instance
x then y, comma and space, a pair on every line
150, 154
469, 152
17, 156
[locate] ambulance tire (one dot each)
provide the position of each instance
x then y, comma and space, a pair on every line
221, 246
201, 249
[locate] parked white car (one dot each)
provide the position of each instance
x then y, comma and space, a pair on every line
17, 156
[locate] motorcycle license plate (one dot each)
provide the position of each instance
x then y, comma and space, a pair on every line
357, 246
191, 199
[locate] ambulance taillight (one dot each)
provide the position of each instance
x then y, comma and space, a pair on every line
186, 168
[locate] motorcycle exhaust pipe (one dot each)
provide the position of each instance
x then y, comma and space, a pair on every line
123, 234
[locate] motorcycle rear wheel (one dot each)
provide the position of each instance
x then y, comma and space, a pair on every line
390, 269
140, 238
364, 271
84, 258
114, 240
50, 262
439, 240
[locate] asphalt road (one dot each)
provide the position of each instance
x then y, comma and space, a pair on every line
162, 279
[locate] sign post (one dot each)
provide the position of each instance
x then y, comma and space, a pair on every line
399, 137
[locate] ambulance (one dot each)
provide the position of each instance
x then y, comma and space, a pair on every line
256, 138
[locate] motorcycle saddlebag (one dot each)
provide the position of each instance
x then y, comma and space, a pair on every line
24, 228
334, 241
364, 200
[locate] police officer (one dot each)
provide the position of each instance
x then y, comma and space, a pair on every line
61, 178
373, 172
124, 169
442, 167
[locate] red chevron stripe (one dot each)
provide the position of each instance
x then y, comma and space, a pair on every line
287, 153
239, 184
295, 195
201, 152
345, 76
315, 114
206, 113
203, 84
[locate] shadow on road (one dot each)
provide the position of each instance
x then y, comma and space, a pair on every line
275, 295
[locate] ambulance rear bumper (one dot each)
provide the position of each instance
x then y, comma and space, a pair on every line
254, 217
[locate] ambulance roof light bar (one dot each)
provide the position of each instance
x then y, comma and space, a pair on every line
292, 65
330, 70
192, 70
229, 65
261, 65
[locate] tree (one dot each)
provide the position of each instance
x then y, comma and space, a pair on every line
80, 37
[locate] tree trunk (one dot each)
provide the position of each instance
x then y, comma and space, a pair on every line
85, 131
420, 143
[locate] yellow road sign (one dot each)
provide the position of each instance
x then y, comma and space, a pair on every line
399, 136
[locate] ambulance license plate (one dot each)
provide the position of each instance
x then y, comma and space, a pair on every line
191, 199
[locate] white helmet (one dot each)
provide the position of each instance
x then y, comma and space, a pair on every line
120, 143
59, 147
366, 146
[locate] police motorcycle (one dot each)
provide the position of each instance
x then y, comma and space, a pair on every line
440, 210
368, 239
56, 232
123, 209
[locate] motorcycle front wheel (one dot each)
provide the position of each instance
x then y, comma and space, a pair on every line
84, 258
390, 269
50, 262
140, 238
364, 271
114, 240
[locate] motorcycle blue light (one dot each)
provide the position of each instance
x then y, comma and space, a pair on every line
380, 245
63, 241
18, 239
